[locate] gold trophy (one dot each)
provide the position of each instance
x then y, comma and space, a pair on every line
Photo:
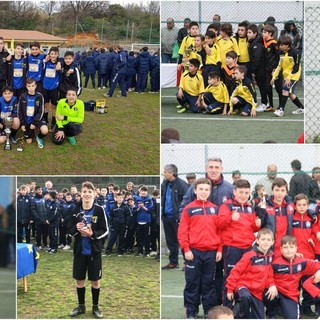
7, 124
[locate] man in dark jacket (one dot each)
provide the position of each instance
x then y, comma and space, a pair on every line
102, 68
172, 189
300, 181
88, 225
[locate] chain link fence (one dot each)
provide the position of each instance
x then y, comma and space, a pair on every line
251, 160
312, 71
233, 12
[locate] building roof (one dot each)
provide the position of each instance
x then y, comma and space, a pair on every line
24, 35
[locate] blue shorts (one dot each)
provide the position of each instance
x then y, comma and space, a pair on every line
292, 87
243, 105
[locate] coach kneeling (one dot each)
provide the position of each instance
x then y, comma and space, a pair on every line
69, 118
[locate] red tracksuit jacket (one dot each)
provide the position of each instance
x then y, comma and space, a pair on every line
303, 230
239, 233
197, 228
253, 271
287, 274
311, 288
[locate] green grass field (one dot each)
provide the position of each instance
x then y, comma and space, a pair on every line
203, 128
123, 141
130, 288
8, 293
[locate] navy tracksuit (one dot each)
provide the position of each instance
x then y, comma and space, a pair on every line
102, 67
53, 218
23, 216
155, 73
89, 70
143, 68
119, 70
131, 72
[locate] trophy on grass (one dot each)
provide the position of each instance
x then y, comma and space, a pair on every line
7, 124
20, 143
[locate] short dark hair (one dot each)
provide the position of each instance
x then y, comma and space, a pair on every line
35, 44
193, 23
55, 49
69, 53
7, 88
232, 54
16, 44
52, 194
156, 192
243, 24
288, 239
286, 40
242, 69
300, 196
269, 28
279, 182
253, 27
195, 62
215, 26
144, 188
30, 80
241, 184
214, 75
88, 185
235, 172
296, 164
210, 34
202, 181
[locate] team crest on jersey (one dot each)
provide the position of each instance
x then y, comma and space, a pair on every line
94, 219
250, 210
4, 60
299, 267
27, 200
76, 109
308, 224
37, 61
212, 211
270, 259
37, 103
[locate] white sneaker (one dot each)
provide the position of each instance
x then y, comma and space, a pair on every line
99, 88
298, 111
66, 247
153, 253
61, 246
261, 108
279, 113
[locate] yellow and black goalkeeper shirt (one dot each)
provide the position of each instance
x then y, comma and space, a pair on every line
219, 92
192, 84
289, 65
215, 56
243, 49
227, 45
245, 90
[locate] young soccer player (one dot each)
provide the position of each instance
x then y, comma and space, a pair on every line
144, 62
69, 118
287, 272
237, 222
188, 44
30, 111
144, 207
17, 70
154, 73
257, 64
69, 79
8, 108
251, 276
190, 89
23, 214
272, 59
50, 84
215, 97
243, 45
199, 52
226, 43
213, 56
290, 68
53, 221
244, 96
199, 239
279, 212
227, 72
119, 221
88, 225
4, 57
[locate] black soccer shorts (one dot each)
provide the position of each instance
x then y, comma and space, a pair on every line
82, 263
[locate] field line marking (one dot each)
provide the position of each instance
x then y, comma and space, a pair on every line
231, 119
171, 296
8, 291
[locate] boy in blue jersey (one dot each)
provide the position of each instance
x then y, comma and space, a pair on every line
35, 64
50, 84
144, 207
88, 225
30, 111
17, 69
8, 108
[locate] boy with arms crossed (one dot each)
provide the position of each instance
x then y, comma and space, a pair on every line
88, 225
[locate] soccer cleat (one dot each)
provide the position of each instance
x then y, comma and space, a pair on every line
49, 250
147, 255
66, 247
139, 255
261, 108
179, 106
99, 88
97, 312
183, 110
72, 140
279, 113
79, 310
298, 111
40, 142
